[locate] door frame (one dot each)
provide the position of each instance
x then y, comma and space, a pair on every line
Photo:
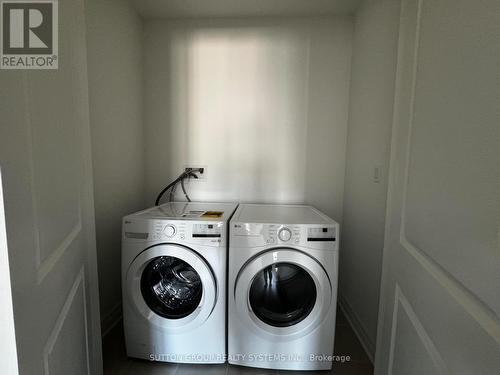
8, 348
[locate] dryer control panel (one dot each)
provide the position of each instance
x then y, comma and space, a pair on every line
322, 234
282, 234
312, 236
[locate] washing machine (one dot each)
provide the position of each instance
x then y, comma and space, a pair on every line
174, 260
282, 287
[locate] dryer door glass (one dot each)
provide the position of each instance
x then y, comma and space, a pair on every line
171, 287
282, 294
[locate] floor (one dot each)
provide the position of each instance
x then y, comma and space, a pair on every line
117, 363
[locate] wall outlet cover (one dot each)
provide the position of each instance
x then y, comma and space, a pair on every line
201, 175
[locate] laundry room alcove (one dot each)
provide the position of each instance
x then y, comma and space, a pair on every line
280, 102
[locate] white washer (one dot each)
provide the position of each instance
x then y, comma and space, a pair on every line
174, 282
282, 288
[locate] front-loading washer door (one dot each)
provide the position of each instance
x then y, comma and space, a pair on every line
172, 287
282, 292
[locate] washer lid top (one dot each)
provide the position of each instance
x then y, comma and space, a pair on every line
189, 211
280, 214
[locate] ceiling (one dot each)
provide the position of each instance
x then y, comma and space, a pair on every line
242, 8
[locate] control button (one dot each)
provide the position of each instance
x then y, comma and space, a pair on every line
169, 230
285, 234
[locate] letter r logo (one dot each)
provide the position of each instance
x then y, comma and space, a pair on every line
27, 27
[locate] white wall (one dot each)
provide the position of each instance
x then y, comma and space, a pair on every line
262, 103
115, 87
368, 147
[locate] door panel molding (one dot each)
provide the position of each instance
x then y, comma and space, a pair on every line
484, 316
460, 324
61, 319
479, 310
48, 263
401, 301
44, 266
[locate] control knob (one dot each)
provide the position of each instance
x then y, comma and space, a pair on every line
169, 230
285, 234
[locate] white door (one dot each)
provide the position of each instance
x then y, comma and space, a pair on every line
440, 302
47, 178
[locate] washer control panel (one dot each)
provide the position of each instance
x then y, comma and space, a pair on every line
189, 232
164, 231
207, 231
169, 230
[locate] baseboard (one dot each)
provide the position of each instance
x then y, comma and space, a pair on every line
111, 319
358, 328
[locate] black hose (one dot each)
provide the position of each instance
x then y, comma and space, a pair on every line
181, 177
158, 198
184, 190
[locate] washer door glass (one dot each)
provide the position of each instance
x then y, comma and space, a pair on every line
282, 294
171, 287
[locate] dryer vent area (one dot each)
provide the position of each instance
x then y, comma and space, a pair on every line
350, 355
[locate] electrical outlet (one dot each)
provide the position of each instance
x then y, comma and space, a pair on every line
201, 171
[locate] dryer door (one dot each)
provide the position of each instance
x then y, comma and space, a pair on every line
172, 287
282, 292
